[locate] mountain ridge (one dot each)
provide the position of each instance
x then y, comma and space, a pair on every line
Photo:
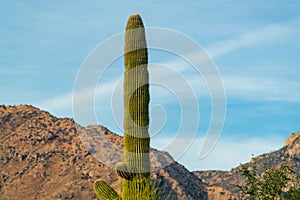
43, 157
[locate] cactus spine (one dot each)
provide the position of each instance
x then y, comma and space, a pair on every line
135, 170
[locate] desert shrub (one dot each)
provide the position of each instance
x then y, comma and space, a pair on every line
273, 183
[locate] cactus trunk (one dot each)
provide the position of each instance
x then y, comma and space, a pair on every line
135, 170
136, 116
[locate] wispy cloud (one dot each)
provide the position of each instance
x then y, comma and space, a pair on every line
227, 153
272, 33
242, 82
238, 85
260, 36
64, 101
262, 88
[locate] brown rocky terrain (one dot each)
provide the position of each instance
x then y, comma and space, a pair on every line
221, 183
43, 157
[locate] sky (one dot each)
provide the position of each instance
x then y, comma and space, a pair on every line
254, 45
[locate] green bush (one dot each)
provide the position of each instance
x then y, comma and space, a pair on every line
273, 183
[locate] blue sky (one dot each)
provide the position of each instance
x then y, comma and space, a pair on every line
255, 46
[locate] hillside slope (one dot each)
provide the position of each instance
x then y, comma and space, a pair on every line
42, 157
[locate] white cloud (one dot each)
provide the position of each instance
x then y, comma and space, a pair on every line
260, 36
270, 33
238, 84
262, 88
235, 83
267, 84
228, 153
64, 101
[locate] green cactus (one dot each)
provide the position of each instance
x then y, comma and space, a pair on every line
136, 115
104, 191
123, 171
135, 170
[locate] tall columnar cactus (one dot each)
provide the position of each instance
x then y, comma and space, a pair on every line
136, 116
135, 170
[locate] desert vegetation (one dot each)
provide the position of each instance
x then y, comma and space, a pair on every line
135, 171
274, 183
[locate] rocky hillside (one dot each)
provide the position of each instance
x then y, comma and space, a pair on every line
224, 181
42, 157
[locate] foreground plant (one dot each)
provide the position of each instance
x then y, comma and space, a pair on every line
274, 183
135, 171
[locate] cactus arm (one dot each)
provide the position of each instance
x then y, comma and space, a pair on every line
104, 191
124, 172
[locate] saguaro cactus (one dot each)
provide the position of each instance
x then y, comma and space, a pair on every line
136, 116
135, 170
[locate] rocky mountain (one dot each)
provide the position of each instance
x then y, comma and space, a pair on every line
43, 157
222, 182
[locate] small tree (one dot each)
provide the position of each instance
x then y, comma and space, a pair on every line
273, 183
